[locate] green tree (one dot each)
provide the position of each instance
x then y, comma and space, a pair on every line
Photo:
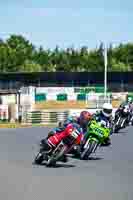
18, 54
30, 66
21, 49
118, 66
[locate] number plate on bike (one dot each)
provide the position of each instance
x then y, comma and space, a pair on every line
99, 131
74, 134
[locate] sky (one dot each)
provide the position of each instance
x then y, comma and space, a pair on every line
68, 23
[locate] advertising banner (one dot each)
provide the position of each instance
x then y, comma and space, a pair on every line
8, 99
55, 90
3, 112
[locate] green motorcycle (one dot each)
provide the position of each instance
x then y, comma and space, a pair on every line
96, 135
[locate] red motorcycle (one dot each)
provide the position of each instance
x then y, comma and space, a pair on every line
66, 140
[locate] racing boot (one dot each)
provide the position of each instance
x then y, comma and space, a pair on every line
46, 146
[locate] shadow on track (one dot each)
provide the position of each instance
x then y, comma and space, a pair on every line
95, 158
59, 165
90, 158
63, 165
120, 132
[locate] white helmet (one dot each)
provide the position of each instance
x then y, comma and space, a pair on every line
107, 109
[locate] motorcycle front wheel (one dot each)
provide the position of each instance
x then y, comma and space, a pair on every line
55, 157
91, 147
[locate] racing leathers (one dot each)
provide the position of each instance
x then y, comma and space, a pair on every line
99, 116
127, 106
131, 112
62, 125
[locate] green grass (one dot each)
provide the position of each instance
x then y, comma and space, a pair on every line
18, 125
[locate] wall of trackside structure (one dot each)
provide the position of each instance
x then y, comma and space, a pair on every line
117, 81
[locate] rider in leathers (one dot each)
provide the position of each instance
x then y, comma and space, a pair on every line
56, 135
127, 104
104, 115
82, 121
130, 103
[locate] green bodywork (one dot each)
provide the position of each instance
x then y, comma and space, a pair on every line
97, 132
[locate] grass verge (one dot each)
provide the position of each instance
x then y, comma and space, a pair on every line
18, 125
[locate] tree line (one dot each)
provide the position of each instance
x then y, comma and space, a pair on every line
17, 54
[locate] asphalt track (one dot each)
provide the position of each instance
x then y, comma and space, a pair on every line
108, 176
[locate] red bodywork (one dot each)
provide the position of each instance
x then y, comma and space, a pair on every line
54, 140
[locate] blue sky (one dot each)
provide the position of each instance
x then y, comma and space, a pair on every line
68, 23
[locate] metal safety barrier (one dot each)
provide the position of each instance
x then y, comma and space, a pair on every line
45, 117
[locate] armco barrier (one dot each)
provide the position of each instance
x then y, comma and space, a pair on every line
45, 117
33, 117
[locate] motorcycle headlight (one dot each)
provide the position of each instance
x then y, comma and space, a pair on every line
75, 133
